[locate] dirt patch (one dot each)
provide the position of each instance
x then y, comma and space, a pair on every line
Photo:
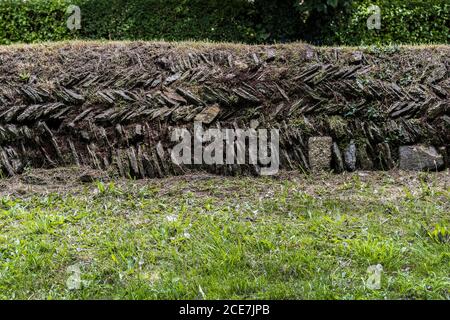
44, 181
378, 186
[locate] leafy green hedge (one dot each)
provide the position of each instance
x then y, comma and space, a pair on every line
402, 21
217, 20
167, 19
317, 21
33, 20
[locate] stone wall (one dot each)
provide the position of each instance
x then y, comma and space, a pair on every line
112, 106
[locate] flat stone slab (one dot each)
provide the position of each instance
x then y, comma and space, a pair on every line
338, 160
208, 115
320, 154
420, 157
350, 156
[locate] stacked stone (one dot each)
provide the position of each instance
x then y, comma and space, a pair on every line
113, 106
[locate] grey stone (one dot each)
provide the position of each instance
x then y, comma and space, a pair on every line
126, 95
350, 156
181, 112
5, 162
337, 157
175, 97
255, 58
445, 154
189, 97
437, 110
192, 113
74, 96
420, 157
161, 153
246, 96
172, 78
320, 153
133, 161
138, 130
384, 155
363, 158
74, 153
85, 135
446, 120
208, 115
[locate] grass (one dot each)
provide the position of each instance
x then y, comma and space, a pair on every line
206, 237
205, 44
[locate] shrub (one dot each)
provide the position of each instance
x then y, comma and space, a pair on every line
217, 20
167, 19
263, 21
33, 20
412, 21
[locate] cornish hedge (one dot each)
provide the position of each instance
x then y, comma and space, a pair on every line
265, 21
112, 105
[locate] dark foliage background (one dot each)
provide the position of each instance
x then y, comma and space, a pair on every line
338, 22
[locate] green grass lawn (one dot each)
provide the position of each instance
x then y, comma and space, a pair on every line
207, 237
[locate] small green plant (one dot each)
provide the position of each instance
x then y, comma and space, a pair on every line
24, 76
440, 234
106, 189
